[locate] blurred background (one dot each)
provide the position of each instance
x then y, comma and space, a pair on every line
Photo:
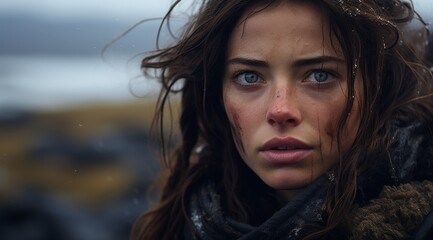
76, 157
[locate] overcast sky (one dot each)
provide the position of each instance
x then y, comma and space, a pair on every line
118, 9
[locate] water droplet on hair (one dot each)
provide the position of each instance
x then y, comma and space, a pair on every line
344, 7
383, 42
80, 125
357, 12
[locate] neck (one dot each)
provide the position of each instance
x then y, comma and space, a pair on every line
288, 194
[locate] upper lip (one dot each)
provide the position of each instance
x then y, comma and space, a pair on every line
288, 142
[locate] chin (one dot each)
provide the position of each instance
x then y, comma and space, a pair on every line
287, 183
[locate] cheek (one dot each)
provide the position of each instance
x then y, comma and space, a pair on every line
232, 111
331, 127
327, 119
350, 127
234, 121
233, 114
243, 119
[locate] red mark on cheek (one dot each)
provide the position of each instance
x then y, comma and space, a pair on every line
237, 131
331, 128
236, 122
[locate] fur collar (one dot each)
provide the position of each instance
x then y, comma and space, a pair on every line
396, 214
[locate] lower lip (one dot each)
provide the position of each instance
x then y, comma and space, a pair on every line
285, 156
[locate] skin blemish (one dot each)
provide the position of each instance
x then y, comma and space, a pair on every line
237, 131
236, 123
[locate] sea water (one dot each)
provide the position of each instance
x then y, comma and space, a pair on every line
53, 82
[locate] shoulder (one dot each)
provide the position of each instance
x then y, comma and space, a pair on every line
397, 213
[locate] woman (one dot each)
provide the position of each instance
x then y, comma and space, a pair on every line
299, 120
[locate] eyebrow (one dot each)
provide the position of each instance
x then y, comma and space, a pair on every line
317, 60
248, 61
297, 63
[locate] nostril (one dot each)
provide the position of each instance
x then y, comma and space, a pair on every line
288, 115
291, 121
271, 121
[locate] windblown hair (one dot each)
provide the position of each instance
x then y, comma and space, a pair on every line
396, 86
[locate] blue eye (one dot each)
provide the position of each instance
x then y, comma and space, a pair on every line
320, 76
248, 78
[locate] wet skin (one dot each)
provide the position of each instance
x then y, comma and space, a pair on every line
284, 89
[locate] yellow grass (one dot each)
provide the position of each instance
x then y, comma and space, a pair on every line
19, 169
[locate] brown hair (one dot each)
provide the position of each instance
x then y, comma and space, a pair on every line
396, 86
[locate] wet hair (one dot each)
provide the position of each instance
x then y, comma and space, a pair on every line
396, 86
429, 51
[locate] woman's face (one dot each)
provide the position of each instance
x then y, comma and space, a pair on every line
285, 87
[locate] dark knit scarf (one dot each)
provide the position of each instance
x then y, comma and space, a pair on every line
210, 222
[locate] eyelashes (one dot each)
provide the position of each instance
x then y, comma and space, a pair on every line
321, 76
247, 78
250, 78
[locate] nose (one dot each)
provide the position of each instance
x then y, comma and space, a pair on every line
284, 109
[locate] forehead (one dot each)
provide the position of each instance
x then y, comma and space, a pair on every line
302, 22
